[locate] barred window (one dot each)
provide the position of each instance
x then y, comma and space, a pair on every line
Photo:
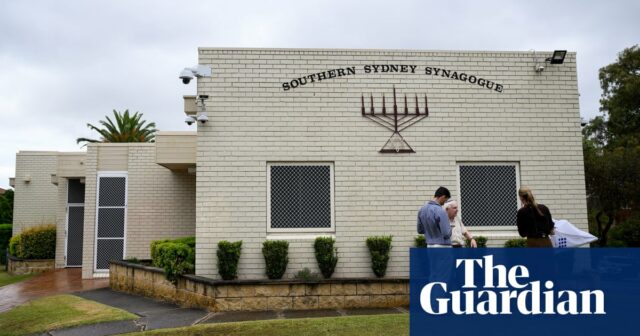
300, 197
488, 194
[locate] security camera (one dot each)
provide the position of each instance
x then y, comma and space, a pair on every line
187, 74
203, 118
189, 120
539, 68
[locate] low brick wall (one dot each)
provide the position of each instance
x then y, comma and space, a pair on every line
18, 266
255, 295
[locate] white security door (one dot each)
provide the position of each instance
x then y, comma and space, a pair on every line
111, 214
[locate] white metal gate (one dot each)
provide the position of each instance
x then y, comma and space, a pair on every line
111, 217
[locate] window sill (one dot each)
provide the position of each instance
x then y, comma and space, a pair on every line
299, 235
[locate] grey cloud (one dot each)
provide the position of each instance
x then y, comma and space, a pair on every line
67, 63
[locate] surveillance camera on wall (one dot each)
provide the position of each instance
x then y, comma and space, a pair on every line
539, 68
189, 120
203, 118
187, 74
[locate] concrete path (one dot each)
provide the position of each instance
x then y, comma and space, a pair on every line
159, 315
60, 281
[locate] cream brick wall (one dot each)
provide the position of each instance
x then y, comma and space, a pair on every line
36, 201
91, 164
252, 120
160, 203
61, 222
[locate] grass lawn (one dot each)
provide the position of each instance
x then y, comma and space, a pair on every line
56, 312
393, 324
6, 279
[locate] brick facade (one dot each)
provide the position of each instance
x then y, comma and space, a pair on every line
35, 198
160, 202
253, 120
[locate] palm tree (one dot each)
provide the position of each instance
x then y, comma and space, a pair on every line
128, 128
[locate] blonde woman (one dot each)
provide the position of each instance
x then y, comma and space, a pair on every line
534, 220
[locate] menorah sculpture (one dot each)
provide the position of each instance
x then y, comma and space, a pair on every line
395, 121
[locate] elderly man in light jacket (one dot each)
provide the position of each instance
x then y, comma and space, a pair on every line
458, 231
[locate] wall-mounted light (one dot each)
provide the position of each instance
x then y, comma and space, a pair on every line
557, 58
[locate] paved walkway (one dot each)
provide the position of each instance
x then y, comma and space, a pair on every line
153, 314
60, 281
159, 315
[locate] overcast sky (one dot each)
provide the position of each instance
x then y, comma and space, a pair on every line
66, 63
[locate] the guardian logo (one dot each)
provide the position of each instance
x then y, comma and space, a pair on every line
501, 289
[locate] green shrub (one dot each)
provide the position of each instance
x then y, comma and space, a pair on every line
480, 241
38, 242
189, 241
518, 242
305, 274
326, 255
228, 257
176, 259
379, 247
420, 241
5, 236
14, 245
276, 257
626, 233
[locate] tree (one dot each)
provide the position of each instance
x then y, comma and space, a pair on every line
620, 100
611, 143
6, 207
127, 128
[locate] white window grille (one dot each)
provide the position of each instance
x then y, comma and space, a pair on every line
488, 193
300, 197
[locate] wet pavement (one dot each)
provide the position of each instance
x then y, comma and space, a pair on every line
152, 314
61, 281
159, 315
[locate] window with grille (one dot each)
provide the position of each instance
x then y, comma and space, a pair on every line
488, 194
300, 197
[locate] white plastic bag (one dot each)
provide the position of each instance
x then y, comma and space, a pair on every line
567, 235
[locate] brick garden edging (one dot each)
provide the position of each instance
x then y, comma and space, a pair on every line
256, 295
17, 266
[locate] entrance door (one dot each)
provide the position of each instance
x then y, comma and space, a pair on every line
75, 223
110, 219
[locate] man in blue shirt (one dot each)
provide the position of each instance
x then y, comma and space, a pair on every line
433, 221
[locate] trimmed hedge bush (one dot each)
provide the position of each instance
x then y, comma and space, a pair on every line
627, 233
189, 241
38, 242
518, 242
480, 240
276, 257
228, 258
176, 257
5, 236
420, 241
326, 255
379, 247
